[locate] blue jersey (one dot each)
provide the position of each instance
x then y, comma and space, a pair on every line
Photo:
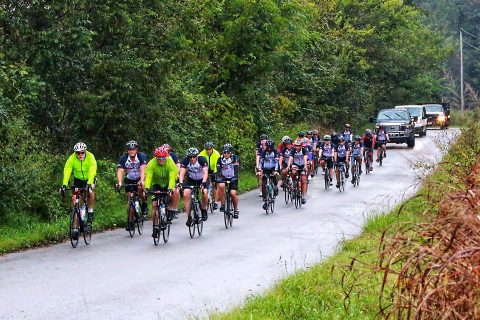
132, 167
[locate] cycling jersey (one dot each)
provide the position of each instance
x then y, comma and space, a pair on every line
85, 170
298, 157
260, 145
228, 167
194, 170
327, 150
286, 153
381, 136
356, 150
211, 159
132, 167
162, 175
347, 135
174, 157
341, 150
268, 160
368, 141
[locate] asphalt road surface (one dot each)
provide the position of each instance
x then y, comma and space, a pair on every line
117, 277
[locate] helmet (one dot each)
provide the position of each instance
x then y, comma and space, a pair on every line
341, 138
327, 137
315, 131
305, 140
380, 127
334, 134
285, 139
347, 125
377, 127
368, 131
227, 147
166, 146
289, 140
208, 144
132, 144
298, 143
161, 152
192, 152
263, 136
309, 132
80, 146
301, 134
358, 138
270, 144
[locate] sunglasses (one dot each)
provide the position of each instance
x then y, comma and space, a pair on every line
161, 158
80, 153
227, 152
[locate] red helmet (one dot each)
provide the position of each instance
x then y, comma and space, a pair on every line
166, 146
161, 152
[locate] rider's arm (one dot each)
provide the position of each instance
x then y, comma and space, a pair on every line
149, 172
280, 161
236, 166
143, 165
204, 163
277, 162
290, 160
120, 172
92, 170
67, 170
172, 173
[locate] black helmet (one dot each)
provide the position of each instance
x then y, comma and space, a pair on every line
270, 144
208, 144
341, 138
263, 136
358, 138
309, 132
227, 147
301, 134
334, 134
298, 143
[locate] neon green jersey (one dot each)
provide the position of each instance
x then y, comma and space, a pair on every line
83, 170
163, 175
212, 159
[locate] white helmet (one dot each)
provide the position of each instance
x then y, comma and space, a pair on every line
285, 139
80, 147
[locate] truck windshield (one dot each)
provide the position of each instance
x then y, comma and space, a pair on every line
434, 108
415, 112
393, 115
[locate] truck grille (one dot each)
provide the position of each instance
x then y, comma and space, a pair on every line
392, 128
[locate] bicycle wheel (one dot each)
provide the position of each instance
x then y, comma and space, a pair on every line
87, 233
226, 214
140, 225
156, 239
327, 180
166, 228
200, 219
342, 180
191, 229
287, 193
131, 220
271, 196
74, 227
211, 199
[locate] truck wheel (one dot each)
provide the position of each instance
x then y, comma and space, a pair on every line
411, 143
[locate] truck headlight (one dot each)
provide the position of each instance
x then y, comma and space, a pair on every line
441, 118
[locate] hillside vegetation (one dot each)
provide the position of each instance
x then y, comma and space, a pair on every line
183, 71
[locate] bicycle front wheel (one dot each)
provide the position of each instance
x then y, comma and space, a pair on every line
131, 220
74, 227
156, 238
191, 229
87, 233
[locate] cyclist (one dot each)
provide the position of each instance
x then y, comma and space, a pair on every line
326, 156
268, 164
334, 139
172, 155
315, 139
341, 155
284, 156
368, 141
212, 156
300, 137
134, 163
356, 151
194, 172
160, 174
283, 144
259, 147
297, 163
381, 137
308, 145
227, 170
347, 134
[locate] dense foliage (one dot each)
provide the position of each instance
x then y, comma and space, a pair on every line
183, 71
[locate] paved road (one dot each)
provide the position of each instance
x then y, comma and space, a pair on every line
121, 278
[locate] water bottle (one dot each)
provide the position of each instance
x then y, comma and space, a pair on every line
137, 206
82, 213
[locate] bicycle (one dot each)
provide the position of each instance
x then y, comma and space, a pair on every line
164, 217
134, 212
382, 155
341, 182
327, 176
368, 163
297, 195
211, 193
197, 223
269, 195
228, 213
315, 164
356, 173
288, 188
77, 218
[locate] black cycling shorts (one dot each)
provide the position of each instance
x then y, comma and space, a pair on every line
329, 161
188, 183
233, 184
81, 184
342, 159
130, 188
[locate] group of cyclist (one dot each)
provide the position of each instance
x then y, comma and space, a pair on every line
209, 168
300, 155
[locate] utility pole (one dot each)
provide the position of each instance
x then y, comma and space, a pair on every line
462, 101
